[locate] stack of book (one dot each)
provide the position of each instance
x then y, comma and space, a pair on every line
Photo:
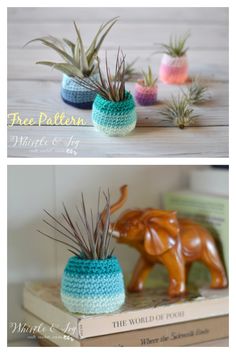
149, 318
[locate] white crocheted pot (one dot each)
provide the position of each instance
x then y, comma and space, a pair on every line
92, 286
173, 70
75, 94
114, 118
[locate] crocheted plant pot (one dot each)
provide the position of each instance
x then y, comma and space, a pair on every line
75, 94
173, 70
92, 286
114, 118
145, 96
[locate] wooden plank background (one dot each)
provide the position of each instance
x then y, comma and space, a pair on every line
33, 89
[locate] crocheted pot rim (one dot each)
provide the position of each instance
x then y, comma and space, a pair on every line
86, 260
85, 77
101, 101
93, 266
174, 61
146, 89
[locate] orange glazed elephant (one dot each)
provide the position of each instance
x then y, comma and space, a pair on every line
160, 237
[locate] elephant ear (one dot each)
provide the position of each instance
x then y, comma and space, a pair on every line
166, 219
157, 241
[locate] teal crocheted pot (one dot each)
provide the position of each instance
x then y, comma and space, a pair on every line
114, 118
92, 286
75, 94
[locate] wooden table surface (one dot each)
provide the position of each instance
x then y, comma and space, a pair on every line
33, 89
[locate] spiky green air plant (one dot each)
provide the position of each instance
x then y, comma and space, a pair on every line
177, 46
179, 112
88, 237
130, 71
196, 93
111, 87
78, 61
148, 79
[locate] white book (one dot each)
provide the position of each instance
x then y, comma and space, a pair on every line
178, 334
151, 308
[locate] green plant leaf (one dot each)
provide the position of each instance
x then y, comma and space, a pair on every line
179, 112
83, 58
92, 51
47, 43
103, 37
77, 53
176, 46
148, 79
66, 68
110, 87
70, 44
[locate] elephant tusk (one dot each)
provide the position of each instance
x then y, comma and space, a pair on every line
115, 234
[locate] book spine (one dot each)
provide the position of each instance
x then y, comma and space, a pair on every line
183, 334
152, 317
47, 312
47, 335
85, 327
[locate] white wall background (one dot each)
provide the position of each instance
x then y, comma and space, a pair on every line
32, 188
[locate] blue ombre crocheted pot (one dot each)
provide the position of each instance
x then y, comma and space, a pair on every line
114, 118
92, 286
75, 94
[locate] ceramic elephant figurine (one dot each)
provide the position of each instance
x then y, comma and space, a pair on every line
161, 237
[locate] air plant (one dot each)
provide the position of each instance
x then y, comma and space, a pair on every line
177, 46
179, 112
88, 237
78, 61
111, 87
130, 71
196, 92
148, 79
145, 90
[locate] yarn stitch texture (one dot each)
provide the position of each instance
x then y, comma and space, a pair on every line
75, 94
173, 70
92, 286
114, 118
145, 96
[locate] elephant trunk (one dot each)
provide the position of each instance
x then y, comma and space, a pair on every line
117, 205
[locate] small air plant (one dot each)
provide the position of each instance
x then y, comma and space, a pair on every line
176, 46
130, 71
113, 110
148, 79
92, 281
111, 87
196, 93
179, 112
174, 63
78, 61
146, 89
88, 237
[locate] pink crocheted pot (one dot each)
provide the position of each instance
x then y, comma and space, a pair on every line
145, 96
173, 70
